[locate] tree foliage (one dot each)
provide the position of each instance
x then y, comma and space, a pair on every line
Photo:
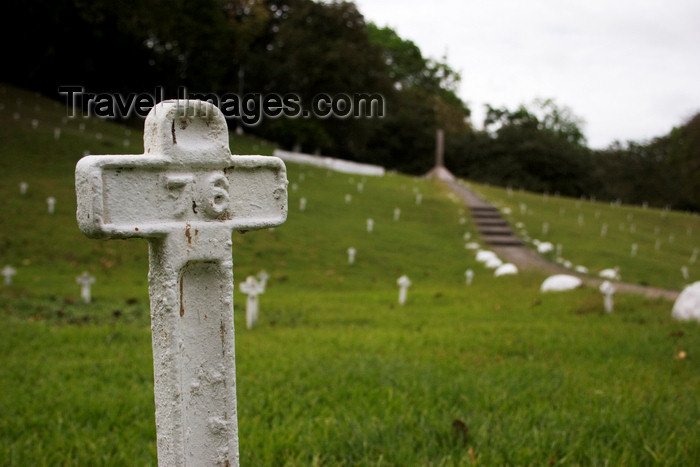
308, 47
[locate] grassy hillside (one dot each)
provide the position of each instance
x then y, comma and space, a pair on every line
603, 235
336, 373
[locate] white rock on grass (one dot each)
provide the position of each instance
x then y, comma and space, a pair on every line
612, 274
506, 269
687, 306
484, 255
493, 263
560, 283
472, 246
545, 247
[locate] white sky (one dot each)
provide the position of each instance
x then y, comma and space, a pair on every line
629, 68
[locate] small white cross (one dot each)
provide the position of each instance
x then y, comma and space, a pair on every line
351, 255
252, 288
469, 275
8, 271
85, 280
607, 289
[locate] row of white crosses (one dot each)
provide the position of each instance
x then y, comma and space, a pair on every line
186, 194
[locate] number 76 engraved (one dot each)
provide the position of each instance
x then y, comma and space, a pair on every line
206, 195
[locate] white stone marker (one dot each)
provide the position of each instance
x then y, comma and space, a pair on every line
8, 271
684, 272
186, 194
397, 214
351, 255
302, 204
469, 276
51, 204
419, 199
694, 256
607, 289
23, 188
252, 288
370, 225
85, 280
633, 250
348, 198
404, 283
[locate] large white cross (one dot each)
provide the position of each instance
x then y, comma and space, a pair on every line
186, 194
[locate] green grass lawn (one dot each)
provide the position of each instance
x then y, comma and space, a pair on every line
336, 373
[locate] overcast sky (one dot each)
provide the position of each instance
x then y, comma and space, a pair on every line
629, 68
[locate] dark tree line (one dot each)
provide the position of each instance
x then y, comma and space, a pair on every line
306, 48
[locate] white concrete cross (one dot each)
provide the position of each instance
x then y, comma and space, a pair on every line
186, 194
8, 271
263, 276
51, 204
607, 289
351, 255
252, 288
685, 273
404, 283
85, 280
469, 276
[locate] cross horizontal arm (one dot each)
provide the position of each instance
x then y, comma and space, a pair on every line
149, 196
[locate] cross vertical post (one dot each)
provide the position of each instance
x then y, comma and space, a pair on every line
186, 194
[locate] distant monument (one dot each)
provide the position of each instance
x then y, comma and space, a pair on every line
439, 171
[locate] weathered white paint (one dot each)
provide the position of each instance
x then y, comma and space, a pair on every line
186, 194
607, 289
404, 283
8, 271
85, 280
252, 288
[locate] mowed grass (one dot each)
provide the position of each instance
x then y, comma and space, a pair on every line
335, 373
600, 235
